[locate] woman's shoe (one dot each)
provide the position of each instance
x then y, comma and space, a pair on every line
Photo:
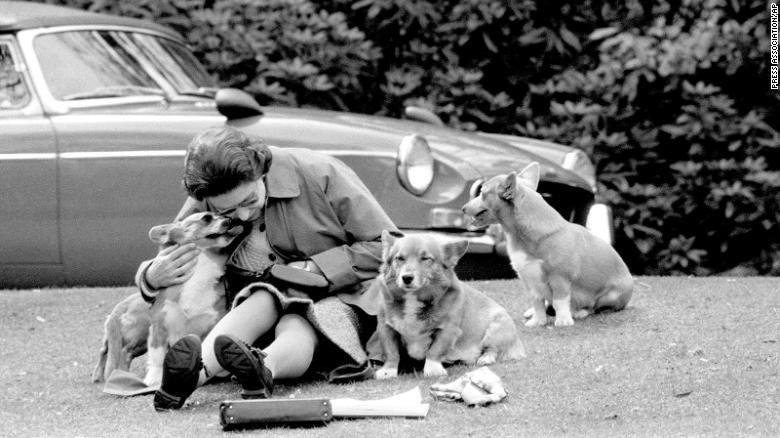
181, 369
246, 364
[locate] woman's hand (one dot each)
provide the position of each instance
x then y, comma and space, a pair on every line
173, 265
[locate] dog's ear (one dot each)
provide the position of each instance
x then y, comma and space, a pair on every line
529, 176
387, 244
176, 234
166, 234
159, 233
507, 189
453, 251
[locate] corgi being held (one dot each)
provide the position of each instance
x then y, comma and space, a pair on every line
134, 326
563, 263
425, 309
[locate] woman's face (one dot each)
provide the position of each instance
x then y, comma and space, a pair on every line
245, 202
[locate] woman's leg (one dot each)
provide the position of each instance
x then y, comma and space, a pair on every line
292, 350
248, 321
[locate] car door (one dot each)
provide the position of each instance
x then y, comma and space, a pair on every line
120, 174
29, 240
121, 145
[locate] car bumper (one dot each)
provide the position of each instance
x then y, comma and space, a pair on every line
599, 222
486, 257
478, 243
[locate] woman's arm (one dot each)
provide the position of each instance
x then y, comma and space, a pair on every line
362, 219
172, 265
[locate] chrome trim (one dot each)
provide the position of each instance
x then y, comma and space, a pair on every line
443, 217
120, 154
599, 222
478, 244
97, 102
570, 161
28, 157
97, 119
21, 67
90, 155
352, 152
153, 153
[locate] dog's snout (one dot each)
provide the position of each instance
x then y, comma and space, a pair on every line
232, 222
407, 279
466, 208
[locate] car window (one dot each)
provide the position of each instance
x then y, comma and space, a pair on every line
14, 93
175, 62
95, 64
89, 64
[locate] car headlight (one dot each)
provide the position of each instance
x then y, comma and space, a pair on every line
414, 164
578, 162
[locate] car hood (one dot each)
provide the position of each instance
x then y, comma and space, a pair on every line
474, 155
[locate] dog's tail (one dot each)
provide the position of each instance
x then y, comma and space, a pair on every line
98, 374
516, 351
502, 333
111, 351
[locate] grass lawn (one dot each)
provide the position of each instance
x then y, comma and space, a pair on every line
689, 357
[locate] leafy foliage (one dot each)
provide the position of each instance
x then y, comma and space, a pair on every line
669, 97
675, 113
284, 51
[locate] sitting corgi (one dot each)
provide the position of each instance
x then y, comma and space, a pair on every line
426, 310
193, 307
563, 263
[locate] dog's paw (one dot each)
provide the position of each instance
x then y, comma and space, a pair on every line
580, 314
153, 378
386, 373
529, 313
536, 321
489, 358
564, 320
433, 368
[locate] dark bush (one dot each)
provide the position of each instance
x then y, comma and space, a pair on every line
675, 111
670, 98
283, 51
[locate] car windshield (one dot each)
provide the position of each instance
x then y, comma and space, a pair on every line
94, 64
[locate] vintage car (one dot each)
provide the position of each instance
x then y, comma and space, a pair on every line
95, 114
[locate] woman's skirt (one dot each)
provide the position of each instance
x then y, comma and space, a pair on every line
338, 323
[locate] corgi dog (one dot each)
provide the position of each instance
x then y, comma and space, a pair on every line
135, 327
427, 311
562, 263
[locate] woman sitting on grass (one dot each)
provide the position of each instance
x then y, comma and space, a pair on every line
303, 209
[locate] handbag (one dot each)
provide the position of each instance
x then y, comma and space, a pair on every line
296, 281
